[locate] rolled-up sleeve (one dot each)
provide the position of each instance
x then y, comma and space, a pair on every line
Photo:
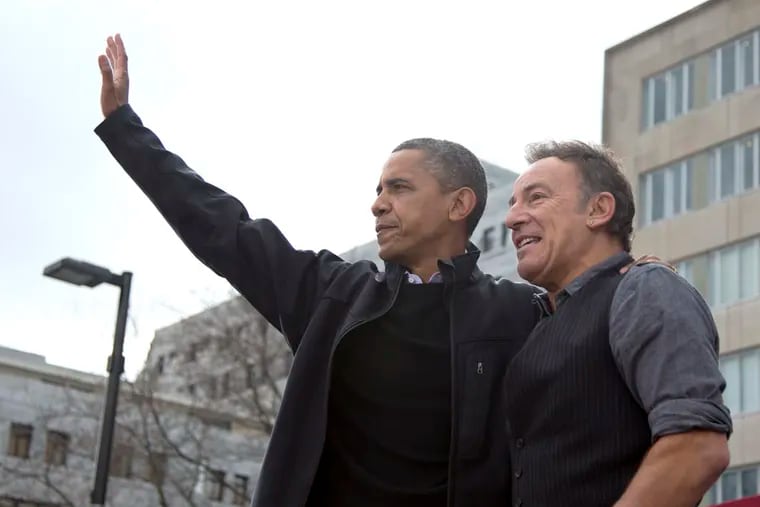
665, 344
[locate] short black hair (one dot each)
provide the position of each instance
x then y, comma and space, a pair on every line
601, 171
454, 166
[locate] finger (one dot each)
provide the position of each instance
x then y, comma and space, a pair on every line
121, 53
111, 58
111, 51
105, 69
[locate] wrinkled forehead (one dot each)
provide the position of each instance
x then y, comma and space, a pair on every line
548, 171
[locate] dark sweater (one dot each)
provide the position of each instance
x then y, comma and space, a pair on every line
577, 434
389, 418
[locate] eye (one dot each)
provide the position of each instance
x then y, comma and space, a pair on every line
536, 196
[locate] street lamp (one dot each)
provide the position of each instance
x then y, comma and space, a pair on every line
83, 273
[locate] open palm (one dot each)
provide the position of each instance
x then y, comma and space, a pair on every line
114, 91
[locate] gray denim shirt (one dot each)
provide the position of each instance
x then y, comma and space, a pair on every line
665, 343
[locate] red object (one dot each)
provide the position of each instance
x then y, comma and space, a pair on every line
751, 501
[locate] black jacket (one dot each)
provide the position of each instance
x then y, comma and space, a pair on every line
315, 299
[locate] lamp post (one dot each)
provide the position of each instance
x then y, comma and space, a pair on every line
83, 273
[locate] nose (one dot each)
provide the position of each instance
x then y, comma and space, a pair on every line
515, 217
381, 206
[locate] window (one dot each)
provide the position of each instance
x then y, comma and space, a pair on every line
121, 461
160, 365
20, 441
667, 95
241, 490
486, 243
742, 373
726, 168
747, 69
749, 268
693, 183
192, 352
57, 448
726, 276
695, 83
735, 65
504, 235
727, 69
224, 385
734, 273
156, 468
748, 163
664, 193
734, 484
215, 485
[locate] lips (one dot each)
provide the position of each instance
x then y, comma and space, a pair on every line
524, 240
383, 227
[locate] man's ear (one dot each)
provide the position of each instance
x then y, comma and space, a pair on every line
600, 210
462, 203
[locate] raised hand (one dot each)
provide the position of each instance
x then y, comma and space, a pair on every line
114, 91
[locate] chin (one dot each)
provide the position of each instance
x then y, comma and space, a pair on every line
530, 274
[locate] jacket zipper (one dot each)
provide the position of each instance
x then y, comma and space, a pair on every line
454, 419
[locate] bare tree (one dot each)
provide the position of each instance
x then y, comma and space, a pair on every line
59, 439
166, 452
227, 357
191, 429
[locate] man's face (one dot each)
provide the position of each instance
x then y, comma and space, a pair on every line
548, 221
411, 209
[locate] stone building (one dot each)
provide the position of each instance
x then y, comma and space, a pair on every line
166, 451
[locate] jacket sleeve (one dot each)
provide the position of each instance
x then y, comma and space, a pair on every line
282, 283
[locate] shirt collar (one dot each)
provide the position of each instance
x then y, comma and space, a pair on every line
417, 280
591, 273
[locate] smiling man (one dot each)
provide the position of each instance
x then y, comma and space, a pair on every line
394, 393
616, 398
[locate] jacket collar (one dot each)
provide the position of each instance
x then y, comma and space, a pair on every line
460, 270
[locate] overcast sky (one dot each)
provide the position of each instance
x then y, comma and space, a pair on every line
291, 106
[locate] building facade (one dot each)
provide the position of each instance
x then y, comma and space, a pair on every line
492, 236
165, 451
682, 109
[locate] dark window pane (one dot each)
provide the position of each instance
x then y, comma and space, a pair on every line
660, 100
730, 488
727, 170
748, 164
646, 114
676, 76
643, 204
675, 178
658, 195
690, 86
728, 69
688, 166
749, 482
747, 49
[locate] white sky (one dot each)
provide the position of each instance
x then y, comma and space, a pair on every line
292, 106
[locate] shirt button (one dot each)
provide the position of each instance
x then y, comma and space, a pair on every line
518, 503
520, 443
518, 473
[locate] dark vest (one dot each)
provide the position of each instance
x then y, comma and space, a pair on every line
577, 435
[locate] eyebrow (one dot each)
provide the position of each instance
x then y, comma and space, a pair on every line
391, 182
527, 190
